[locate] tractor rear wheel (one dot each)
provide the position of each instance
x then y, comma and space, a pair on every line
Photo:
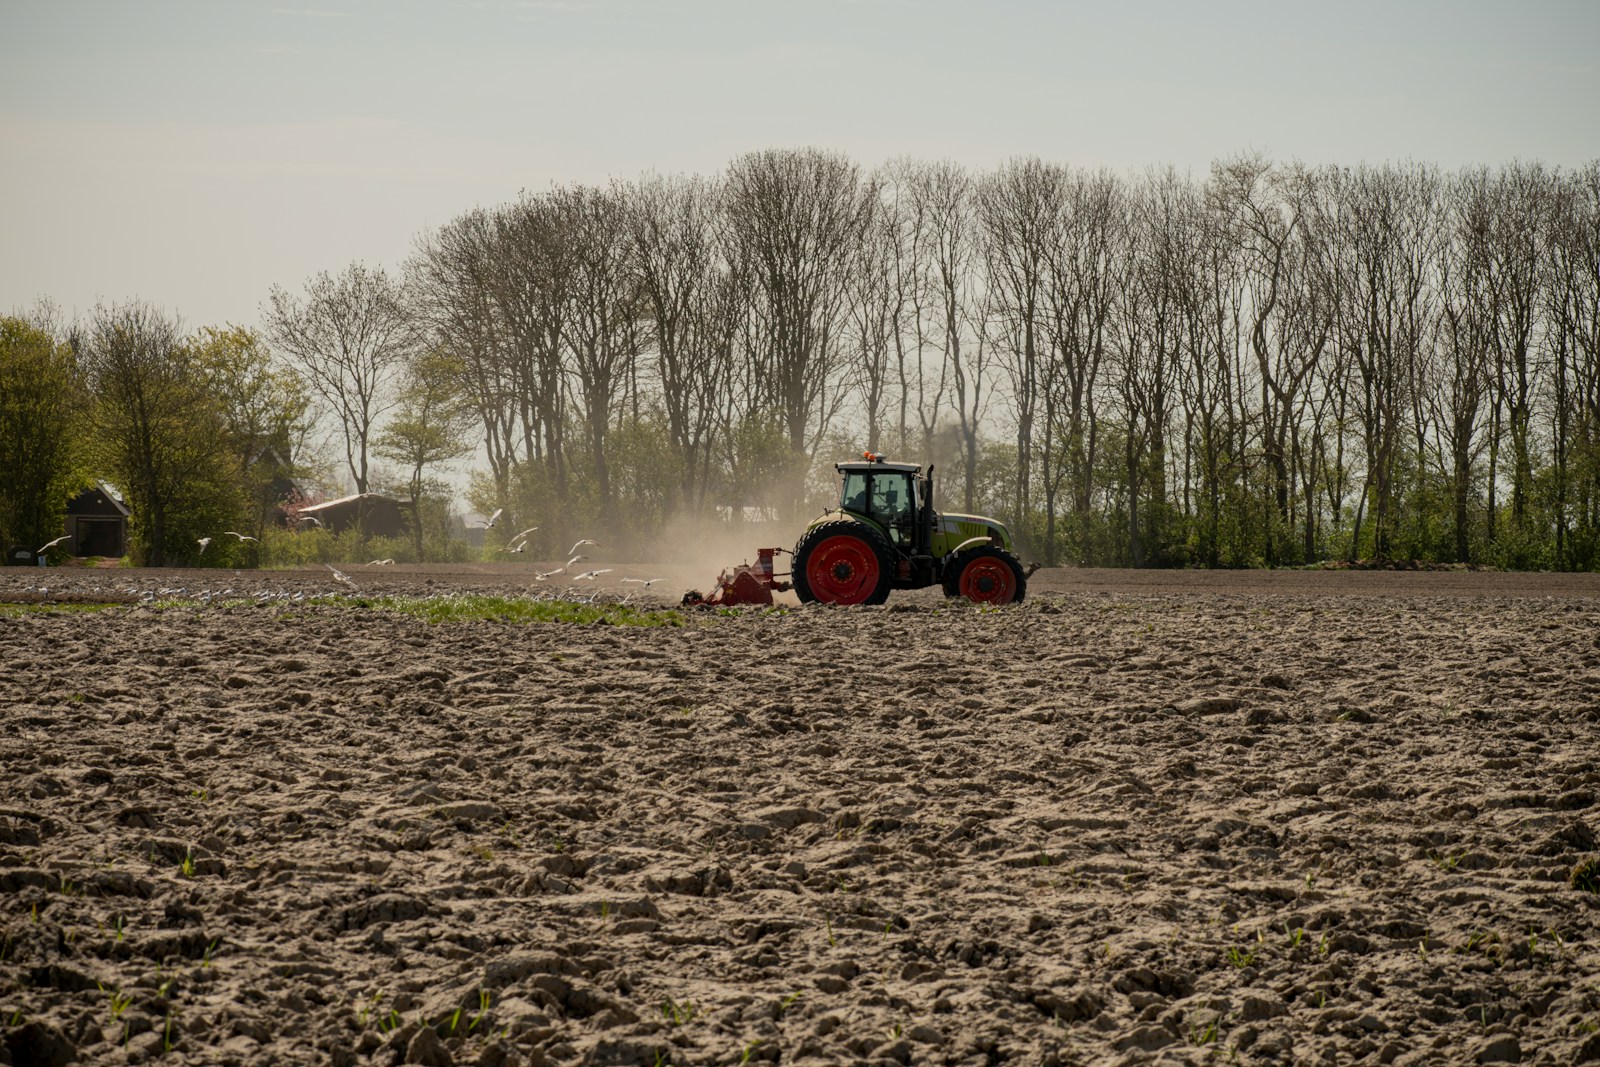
986, 575
842, 562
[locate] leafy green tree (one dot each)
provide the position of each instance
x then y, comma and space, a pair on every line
647, 475
759, 465
430, 429
158, 433
264, 409
41, 408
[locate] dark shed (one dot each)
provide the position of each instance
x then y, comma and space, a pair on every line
97, 522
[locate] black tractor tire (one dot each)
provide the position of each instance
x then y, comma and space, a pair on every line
870, 548
987, 557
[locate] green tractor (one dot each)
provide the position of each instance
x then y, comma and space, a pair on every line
885, 535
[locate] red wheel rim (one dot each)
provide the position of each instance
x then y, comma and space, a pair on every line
987, 580
842, 570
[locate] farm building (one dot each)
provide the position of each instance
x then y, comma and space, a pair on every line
376, 514
97, 522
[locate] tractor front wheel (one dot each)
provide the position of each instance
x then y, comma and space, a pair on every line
986, 575
842, 562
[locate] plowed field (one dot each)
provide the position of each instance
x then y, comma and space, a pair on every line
1142, 817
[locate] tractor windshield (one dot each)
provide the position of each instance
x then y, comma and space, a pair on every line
887, 497
891, 498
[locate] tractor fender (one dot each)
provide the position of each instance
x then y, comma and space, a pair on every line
969, 543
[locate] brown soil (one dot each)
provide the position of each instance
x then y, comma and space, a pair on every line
1286, 817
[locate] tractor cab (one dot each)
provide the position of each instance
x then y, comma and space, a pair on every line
892, 495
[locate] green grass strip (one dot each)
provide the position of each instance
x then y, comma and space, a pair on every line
482, 608
71, 608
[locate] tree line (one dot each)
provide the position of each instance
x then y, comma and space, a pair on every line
1269, 364
180, 424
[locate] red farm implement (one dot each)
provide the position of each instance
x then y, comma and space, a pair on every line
743, 584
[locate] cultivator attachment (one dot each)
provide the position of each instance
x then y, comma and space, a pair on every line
743, 584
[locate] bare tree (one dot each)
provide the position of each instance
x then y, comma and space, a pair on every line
1214, 391
875, 317
1512, 249
950, 357
687, 288
904, 225
796, 219
1388, 225
1304, 344
452, 280
1021, 207
1087, 273
531, 283
1289, 317
603, 317
1572, 318
1461, 374
1151, 342
349, 336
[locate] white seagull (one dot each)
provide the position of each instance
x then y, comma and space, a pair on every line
545, 575
573, 560
376, 563
579, 544
521, 546
54, 543
242, 537
590, 576
490, 521
341, 576
646, 582
203, 542
525, 533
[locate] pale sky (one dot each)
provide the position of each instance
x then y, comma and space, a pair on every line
195, 154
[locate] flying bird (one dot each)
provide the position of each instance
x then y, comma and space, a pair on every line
310, 518
525, 533
579, 544
544, 575
54, 543
490, 521
341, 576
376, 563
646, 582
521, 546
573, 560
590, 576
203, 543
242, 537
